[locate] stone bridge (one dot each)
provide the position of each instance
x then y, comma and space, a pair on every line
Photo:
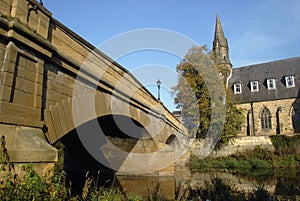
55, 86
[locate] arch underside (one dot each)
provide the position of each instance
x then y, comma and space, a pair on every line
79, 159
68, 115
118, 129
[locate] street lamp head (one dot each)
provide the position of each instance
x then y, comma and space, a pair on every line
158, 87
158, 82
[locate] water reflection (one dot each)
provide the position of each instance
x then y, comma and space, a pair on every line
186, 184
147, 186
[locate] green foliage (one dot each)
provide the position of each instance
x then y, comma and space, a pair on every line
106, 195
32, 187
256, 159
286, 155
59, 165
53, 188
231, 164
286, 144
257, 164
233, 122
200, 91
191, 93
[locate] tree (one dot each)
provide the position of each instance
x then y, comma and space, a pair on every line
203, 99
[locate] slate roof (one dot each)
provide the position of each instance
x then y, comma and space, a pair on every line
261, 72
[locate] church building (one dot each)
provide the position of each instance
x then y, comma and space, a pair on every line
267, 93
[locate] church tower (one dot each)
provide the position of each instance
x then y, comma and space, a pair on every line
221, 50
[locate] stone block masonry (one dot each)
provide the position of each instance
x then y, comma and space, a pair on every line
282, 112
40, 60
238, 145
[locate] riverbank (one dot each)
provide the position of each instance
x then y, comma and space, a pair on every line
286, 154
270, 171
207, 186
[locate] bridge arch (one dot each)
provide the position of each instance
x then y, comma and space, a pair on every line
68, 115
173, 141
78, 160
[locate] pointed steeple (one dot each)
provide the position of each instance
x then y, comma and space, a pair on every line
219, 34
221, 49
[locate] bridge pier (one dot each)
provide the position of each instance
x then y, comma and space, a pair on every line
28, 145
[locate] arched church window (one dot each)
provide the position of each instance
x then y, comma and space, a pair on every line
296, 118
266, 119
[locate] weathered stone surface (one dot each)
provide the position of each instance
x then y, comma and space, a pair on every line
5, 93
239, 144
11, 109
282, 114
5, 7
49, 73
6, 78
25, 144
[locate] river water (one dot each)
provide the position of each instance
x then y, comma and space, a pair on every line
282, 183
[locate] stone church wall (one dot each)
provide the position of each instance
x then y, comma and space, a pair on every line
282, 114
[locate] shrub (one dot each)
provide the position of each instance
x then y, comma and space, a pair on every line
286, 144
259, 164
286, 155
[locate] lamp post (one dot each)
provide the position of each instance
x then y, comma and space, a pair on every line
158, 87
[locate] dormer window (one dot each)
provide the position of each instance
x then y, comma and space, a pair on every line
237, 88
289, 81
254, 86
271, 84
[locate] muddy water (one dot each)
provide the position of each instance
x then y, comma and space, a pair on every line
281, 183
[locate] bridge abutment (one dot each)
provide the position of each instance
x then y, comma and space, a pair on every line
28, 145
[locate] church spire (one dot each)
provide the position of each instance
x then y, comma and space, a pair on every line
219, 34
221, 49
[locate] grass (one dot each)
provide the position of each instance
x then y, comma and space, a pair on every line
286, 144
286, 155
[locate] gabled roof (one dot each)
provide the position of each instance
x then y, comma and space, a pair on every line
261, 72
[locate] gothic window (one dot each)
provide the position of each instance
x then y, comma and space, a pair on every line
254, 86
289, 81
296, 118
271, 84
237, 88
266, 119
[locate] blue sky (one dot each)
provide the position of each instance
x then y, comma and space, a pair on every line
257, 30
